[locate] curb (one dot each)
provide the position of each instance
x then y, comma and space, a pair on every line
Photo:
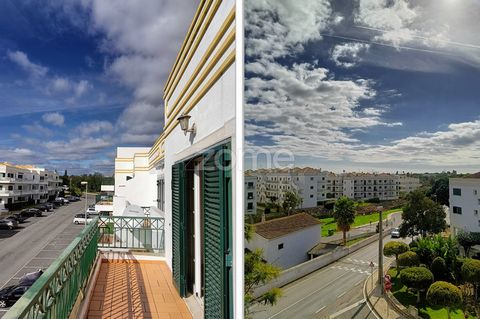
367, 299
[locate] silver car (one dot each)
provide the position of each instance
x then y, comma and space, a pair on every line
8, 223
395, 233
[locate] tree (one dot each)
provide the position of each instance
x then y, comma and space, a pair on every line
257, 272
470, 272
344, 215
416, 278
439, 268
65, 179
408, 259
467, 240
428, 248
290, 202
421, 216
439, 191
444, 294
395, 248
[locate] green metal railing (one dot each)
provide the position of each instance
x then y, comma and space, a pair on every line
132, 233
53, 295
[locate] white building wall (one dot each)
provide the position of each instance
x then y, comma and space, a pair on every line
468, 201
295, 246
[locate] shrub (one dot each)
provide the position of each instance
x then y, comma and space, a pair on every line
439, 268
373, 200
408, 259
395, 248
416, 278
444, 294
470, 272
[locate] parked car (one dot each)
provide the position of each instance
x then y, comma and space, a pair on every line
62, 199
29, 212
9, 295
73, 198
92, 211
17, 218
395, 233
43, 207
80, 219
50, 206
8, 224
20, 219
58, 203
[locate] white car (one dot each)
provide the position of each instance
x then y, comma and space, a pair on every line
80, 219
395, 233
92, 211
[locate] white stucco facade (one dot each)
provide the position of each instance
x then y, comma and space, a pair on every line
464, 204
289, 250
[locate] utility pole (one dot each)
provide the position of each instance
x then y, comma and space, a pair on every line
380, 252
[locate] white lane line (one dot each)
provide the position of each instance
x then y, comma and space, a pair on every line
341, 295
320, 309
338, 313
312, 293
358, 283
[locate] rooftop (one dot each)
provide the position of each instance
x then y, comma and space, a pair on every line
285, 225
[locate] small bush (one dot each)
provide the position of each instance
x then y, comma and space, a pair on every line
416, 277
471, 271
373, 200
444, 294
408, 259
439, 268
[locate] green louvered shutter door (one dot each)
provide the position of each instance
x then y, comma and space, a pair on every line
217, 208
178, 227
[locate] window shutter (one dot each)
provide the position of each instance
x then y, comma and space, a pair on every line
178, 227
217, 222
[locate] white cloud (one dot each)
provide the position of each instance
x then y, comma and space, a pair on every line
60, 84
81, 88
54, 118
22, 60
278, 28
347, 54
93, 127
140, 123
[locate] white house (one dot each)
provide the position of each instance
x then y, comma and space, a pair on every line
186, 176
465, 203
286, 241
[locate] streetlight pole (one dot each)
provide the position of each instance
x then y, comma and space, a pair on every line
380, 252
86, 201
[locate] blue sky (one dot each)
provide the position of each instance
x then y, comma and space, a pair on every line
81, 77
371, 85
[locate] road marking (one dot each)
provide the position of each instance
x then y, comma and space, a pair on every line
354, 305
320, 309
358, 283
312, 293
341, 295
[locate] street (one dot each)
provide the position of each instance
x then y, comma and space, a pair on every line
37, 243
336, 289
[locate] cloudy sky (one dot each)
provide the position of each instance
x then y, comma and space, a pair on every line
80, 77
372, 85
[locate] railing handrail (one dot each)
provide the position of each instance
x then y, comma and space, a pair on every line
33, 296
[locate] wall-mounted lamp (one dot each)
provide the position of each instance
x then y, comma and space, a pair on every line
184, 119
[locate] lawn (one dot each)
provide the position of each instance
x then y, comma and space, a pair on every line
407, 298
329, 223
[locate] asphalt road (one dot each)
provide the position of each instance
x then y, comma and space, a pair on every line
37, 243
333, 291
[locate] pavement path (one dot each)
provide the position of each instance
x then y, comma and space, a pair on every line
37, 243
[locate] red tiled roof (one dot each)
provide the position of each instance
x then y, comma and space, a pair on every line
285, 225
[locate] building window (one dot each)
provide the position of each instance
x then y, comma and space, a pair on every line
280, 246
475, 192
311, 196
250, 185
457, 210
249, 206
311, 187
250, 195
19, 187
161, 194
311, 178
457, 191
475, 212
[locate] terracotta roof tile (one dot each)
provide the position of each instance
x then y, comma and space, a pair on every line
285, 225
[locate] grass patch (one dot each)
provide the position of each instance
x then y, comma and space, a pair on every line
407, 298
354, 241
360, 220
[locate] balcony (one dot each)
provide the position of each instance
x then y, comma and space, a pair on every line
114, 268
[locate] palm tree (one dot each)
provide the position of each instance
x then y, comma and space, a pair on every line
344, 215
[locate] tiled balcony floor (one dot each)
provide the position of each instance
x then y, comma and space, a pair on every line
136, 289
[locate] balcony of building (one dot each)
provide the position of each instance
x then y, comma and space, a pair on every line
115, 268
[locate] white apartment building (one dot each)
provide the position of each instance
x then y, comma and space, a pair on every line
316, 186
465, 203
25, 183
186, 175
